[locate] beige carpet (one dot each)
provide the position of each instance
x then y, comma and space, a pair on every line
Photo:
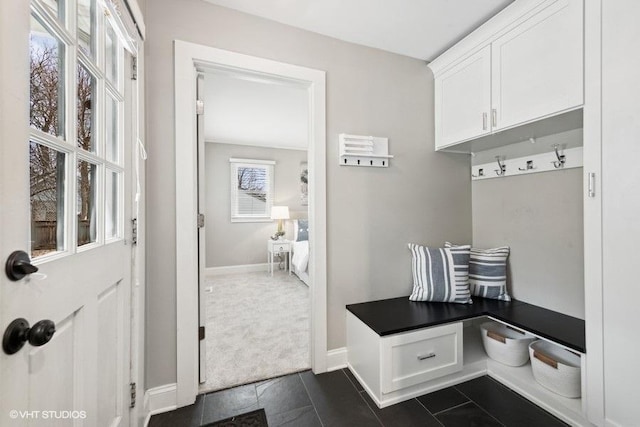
257, 328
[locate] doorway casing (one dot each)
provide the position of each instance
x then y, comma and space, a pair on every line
189, 58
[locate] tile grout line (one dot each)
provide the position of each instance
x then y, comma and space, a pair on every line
360, 394
479, 406
310, 399
204, 405
367, 405
428, 411
525, 400
345, 374
453, 407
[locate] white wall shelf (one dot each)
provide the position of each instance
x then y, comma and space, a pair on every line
370, 151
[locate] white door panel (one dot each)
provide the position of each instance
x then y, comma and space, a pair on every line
81, 376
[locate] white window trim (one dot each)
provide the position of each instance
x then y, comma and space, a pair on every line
235, 164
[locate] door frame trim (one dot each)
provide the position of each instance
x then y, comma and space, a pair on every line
188, 58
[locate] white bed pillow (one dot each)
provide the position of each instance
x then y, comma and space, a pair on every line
300, 259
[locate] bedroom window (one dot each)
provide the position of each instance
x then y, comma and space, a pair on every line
251, 190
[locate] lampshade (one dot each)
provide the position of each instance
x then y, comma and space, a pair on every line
280, 212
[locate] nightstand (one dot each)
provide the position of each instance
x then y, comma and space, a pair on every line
278, 247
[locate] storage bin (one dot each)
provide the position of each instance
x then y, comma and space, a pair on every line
556, 368
504, 344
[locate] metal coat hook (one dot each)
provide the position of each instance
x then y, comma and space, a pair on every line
528, 167
502, 168
561, 158
480, 173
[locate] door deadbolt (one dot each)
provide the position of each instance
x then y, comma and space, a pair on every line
19, 265
18, 332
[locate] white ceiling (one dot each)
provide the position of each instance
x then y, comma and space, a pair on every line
250, 110
418, 28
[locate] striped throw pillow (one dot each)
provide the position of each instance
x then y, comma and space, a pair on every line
440, 274
488, 272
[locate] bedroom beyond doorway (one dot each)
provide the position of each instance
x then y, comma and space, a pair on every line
254, 135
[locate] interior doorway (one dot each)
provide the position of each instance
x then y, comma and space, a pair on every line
191, 59
253, 133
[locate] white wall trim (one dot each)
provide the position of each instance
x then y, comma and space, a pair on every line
336, 359
235, 269
188, 58
159, 399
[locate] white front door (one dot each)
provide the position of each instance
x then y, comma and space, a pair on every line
65, 158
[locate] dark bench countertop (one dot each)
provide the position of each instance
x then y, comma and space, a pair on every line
395, 315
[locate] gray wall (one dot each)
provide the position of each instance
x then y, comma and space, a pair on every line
238, 243
371, 213
540, 217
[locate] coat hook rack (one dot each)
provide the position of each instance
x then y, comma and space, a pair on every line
528, 167
502, 168
552, 160
561, 158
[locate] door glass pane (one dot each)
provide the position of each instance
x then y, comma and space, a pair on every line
86, 119
46, 106
112, 129
86, 26
47, 172
55, 7
86, 201
111, 56
111, 204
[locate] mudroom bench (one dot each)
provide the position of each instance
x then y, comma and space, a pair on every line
400, 349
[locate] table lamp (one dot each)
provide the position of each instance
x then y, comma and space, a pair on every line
279, 213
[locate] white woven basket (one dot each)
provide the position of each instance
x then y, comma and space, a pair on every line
504, 344
556, 368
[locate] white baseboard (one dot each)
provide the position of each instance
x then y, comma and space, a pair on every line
336, 359
160, 399
235, 269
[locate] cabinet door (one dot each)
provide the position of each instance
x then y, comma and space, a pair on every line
537, 68
462, 100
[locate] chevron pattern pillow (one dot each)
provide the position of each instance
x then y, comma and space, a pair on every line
440, 274
488, 272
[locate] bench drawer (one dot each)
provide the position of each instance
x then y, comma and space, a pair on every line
414, 357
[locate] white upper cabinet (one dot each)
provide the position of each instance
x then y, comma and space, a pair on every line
463, 99
522, 66
537, 68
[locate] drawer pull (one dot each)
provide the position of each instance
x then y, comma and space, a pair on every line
426, 356
546, 359
496, 336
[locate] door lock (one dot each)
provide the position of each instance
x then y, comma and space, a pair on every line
19, 265
18, 332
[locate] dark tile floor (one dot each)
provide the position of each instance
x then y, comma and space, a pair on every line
337, 399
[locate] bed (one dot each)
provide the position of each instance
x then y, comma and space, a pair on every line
300, 250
